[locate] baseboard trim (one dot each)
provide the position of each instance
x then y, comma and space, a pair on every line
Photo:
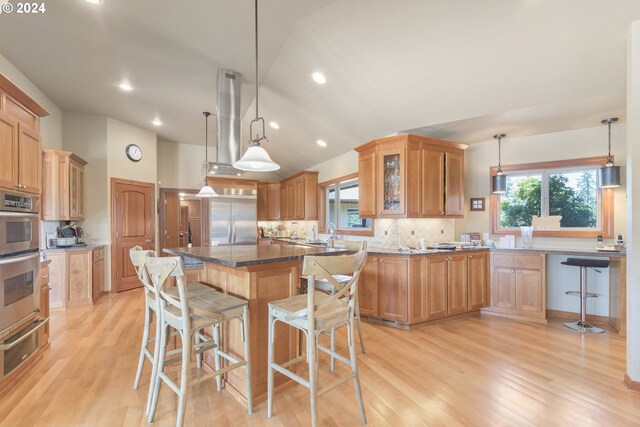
513, 316
567, 315
631, 384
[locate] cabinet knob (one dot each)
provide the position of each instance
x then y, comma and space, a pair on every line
148, 241
381, 260
380, 213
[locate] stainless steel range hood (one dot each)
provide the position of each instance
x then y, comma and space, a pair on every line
228, 120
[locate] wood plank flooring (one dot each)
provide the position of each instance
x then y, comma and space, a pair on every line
479, 371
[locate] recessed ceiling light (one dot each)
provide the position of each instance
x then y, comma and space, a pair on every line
156, 122
319, 78
94, 1
125, 87
274, 125
321, 143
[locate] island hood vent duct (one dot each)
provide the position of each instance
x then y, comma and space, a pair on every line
228, 120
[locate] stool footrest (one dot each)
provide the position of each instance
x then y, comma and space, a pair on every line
577, 294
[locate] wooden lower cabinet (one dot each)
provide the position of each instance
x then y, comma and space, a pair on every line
518, 285
415, 289
76, 277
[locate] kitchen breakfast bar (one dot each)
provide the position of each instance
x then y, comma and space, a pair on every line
258, 274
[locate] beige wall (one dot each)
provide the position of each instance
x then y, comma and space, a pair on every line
51, 125
341, 165
571, 144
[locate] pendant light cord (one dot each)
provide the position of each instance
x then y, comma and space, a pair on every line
609, 141
256, 19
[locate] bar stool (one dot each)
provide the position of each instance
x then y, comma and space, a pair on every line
314, 313
177, 309
582, 325
138, 257
323, 285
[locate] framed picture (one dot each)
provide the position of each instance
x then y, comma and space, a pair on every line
477, 204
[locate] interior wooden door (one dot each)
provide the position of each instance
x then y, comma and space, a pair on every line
184, 225
457, 284
9, 150
436, 305
454, 179
171, 232
432, 182
132, 205
29, 159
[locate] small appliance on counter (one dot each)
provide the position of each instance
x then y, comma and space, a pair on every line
68, 234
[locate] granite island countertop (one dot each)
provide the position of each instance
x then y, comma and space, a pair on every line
74, 248
247, 255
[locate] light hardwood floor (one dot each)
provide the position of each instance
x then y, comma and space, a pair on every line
479, 371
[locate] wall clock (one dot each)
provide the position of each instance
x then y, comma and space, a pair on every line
134, 153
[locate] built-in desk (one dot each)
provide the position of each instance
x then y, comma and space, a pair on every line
506, 304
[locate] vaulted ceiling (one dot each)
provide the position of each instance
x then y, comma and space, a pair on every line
462, 69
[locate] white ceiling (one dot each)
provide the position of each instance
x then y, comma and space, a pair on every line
461, 69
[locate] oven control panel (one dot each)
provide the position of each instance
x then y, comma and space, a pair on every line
18, 202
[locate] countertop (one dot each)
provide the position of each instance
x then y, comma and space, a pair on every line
565, 251
44, 262
74, 248
247, 255
388, 251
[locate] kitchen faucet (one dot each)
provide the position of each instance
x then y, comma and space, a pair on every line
331, 228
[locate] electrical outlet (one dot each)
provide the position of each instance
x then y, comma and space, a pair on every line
386, 232
441, 231
413, 233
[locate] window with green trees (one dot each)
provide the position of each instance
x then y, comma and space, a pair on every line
570, 193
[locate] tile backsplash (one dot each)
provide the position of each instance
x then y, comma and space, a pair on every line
388, 233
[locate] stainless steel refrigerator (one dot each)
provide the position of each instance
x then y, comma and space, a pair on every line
233, 217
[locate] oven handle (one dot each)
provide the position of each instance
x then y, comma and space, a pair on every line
39, 324
19, 258
19, 214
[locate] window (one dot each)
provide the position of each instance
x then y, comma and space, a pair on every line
567, 189
340, 202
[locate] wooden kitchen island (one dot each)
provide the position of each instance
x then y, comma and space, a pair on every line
259, 274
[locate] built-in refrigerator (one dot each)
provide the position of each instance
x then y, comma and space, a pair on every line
233, 217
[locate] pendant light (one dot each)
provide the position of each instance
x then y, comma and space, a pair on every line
499, 180
256, 158
609, 174
206, 191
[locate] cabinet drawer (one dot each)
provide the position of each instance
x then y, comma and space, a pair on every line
98, 255
510, 260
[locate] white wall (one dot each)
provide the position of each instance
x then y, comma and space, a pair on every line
180, 165
51, 125
86, 136
338, 166
633, 205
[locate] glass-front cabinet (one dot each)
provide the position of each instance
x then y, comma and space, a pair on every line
391, 176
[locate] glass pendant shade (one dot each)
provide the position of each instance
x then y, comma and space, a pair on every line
256, 159
499, 184
206, 191
609, 176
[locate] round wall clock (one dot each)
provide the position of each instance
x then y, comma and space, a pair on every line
134, 153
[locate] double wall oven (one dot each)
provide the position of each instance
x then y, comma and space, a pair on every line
19, 280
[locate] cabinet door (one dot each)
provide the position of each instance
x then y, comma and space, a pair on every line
368, 288
76, 191
432, 183
454, 181
298, 198
418, 287
79, 277
29, 157
284, 202
477, 281
529, 292
9, 150
262, 202
97, 280
273, 202
57, 279
367, 183
393, 276
436, 304
503, 288
414, 180
390, 198
457, 284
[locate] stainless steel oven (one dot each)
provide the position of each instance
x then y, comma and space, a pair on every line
19, 288
19, 347
19, 223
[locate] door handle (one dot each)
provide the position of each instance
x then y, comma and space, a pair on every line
233, 224
148, 241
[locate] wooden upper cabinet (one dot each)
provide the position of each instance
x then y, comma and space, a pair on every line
9, 150
262, 202
411, 176
268, 201
63, 189
298, 197
367, 182
432, 182
391, 172
454, 184
20, 167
